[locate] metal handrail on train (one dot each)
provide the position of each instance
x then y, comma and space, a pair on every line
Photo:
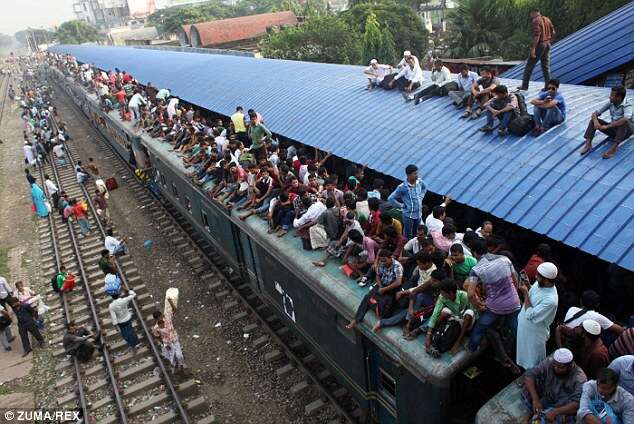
91, 302
137, 310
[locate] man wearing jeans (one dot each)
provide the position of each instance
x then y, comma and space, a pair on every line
543, 32
497, 275
122, 317
503, 106
549, 108
409, 197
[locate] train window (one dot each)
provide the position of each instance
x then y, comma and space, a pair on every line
188, 204
174, 190
205, 219
387, 384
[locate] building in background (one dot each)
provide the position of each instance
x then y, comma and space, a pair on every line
241, 33
434, 14
102, 13
125, 36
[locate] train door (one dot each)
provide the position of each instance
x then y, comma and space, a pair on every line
382, 385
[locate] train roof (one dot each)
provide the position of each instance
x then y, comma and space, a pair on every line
329, 282
595, 49
542, 184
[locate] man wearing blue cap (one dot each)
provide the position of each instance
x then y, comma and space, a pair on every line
409, 197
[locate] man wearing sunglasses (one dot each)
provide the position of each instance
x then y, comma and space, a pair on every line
549, 108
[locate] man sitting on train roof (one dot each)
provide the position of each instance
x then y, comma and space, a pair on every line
621, 124
552, 389
604, 401
409, 78
589, 349
441, 84
549, 108
381, 297
376, 72
503, 106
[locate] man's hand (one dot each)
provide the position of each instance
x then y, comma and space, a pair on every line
551, 416
533, 55
449, 262
537, 406
381, 290
447, 199
495, 113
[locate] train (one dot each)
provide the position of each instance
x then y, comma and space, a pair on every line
393, 380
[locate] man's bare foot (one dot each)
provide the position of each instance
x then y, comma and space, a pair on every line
455, 349
377, 327
587, 146
611, 152
244, 217
351, 325
319, 263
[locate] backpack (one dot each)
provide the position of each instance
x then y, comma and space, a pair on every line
444, 336
246, 158
521, 125
112, 285
521, 103
54, 284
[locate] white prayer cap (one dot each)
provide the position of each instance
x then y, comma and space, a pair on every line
407, 53
563, 356
374, 61
592, 327
547, 270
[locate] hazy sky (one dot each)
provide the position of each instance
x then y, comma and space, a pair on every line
20, 14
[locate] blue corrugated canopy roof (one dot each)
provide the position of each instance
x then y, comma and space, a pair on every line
542, 184
593, 50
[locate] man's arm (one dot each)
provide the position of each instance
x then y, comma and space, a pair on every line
584, 403
113, 316
395, 197
396, 283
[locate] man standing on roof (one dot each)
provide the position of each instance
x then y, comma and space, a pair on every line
239, 127
621, 124
543, 32
409, 197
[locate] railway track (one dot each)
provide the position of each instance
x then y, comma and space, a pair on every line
278, 343
120, 386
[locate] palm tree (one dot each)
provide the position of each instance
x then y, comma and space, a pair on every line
477, 28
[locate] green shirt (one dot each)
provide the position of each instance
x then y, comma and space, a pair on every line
461, 271
456, 307
257, 133
60, 279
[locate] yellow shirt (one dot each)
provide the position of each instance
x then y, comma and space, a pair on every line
238, 122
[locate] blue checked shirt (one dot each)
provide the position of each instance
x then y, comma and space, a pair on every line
409, 198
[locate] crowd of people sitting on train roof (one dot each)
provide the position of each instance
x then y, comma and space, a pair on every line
454, 287
485, 94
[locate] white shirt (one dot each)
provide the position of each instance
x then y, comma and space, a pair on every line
111, 243
28, 153
52, 188
403, 63
221, 144
313, 212
465, 83
433, 224
415, 75
412, 246
59, 151
604, 322
171, 107
5, 288
163, 93
379, 72
119, 311
137, 100
441, 77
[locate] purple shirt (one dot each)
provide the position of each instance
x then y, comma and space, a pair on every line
495, 272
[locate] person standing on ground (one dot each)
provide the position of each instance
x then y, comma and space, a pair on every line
409, 197
39, 201
536, 315
103, 211
542, 31
5, 329
6, 292
122, 317
166, 334
26, 317
53, 191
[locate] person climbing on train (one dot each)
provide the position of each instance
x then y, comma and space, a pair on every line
409, 197
620, 127
552, 389
499, 280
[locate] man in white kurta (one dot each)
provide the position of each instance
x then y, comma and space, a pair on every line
537, 314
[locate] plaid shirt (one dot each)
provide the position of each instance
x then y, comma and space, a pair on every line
167, 334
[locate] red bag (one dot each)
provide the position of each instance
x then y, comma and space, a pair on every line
33, 207
347, 270
111, 184
69, 283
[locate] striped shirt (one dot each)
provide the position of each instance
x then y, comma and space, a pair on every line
623, 345
495, 273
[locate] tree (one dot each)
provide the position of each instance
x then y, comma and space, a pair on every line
477, 28
322, 39
377, 43
170, 21
77, 32
405, 27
